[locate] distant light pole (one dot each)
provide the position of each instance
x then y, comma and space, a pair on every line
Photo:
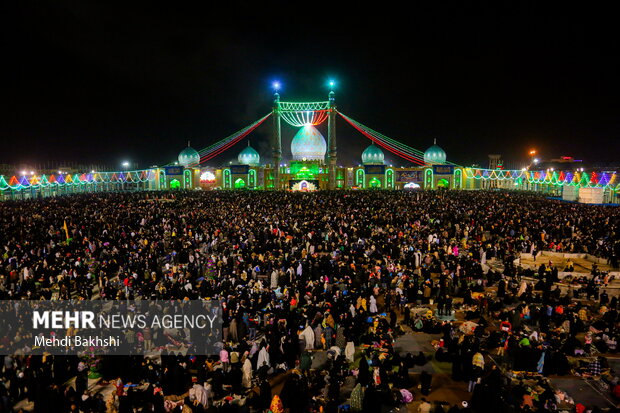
533, 160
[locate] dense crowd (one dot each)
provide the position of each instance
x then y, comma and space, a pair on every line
332, 273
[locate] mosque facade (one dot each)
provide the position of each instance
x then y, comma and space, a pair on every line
314, 165
308, 170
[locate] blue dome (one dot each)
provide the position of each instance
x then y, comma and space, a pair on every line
249, 156
435, 154
308, 145
189, 157
373, 155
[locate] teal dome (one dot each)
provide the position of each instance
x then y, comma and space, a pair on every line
373, 155
189, 157
308, 145
435, 154
249, 156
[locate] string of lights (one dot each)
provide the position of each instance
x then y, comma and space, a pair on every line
216, 149
360, 128
63, 180
220, 146
548, 177
304, 118
302, 106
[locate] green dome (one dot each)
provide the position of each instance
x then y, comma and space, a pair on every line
372, 155
308, 144
189, 157
435, 154
249, 156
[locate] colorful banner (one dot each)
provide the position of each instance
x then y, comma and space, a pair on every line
174, 170
409, 176
374, 169
303, 185
239, 169
443, 169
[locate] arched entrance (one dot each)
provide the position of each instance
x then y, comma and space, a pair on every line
175, 184
239, 184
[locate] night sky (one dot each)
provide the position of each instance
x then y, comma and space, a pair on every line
100, 83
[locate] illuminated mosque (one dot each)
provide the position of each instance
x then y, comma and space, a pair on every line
314, 166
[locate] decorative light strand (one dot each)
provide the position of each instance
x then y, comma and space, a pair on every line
206, 155
17, 183
302, 118
379, 142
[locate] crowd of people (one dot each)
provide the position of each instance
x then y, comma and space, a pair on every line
315, 289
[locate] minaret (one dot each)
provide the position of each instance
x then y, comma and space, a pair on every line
331, 139
276, 145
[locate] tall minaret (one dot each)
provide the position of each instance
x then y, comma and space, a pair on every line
331, 138
276, 144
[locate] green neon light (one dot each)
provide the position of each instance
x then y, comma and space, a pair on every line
360, 178
402, 147
302, 106
389, 177
428, 178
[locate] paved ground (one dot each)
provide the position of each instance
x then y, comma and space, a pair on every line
444, 389
581, 265
583, 391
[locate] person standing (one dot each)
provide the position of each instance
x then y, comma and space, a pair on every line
448, 306
425, 382
246, 378
373, 305
476, 371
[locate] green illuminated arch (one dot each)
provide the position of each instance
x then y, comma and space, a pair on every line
252, 178
187, 178
162, 180
389, 179
359, 181
175, 184
428, 178
227, 179
458, 179
239, 184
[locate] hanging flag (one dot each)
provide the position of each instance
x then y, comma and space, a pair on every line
66, 228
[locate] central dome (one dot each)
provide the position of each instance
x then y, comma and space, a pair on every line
373, 155
249, 156
308, 145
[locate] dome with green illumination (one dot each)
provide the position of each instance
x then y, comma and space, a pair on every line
308, 145
373, 155
249, 156
435, 154
189, 157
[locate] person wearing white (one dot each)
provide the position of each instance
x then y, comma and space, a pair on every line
263, 358
200, 394
373, 305
246, 379
349, 351
308, 336
274, 280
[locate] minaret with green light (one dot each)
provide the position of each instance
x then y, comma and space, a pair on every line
276, 145
331, 137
